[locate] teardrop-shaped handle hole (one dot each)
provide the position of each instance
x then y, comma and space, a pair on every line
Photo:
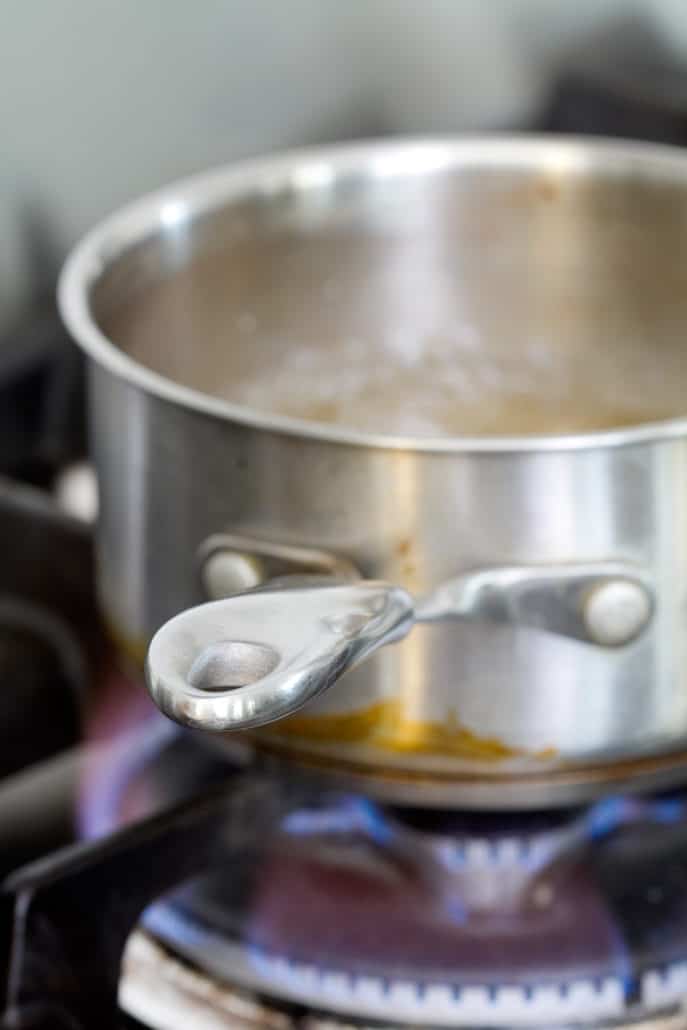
230, 664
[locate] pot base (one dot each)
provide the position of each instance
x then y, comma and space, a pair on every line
556, 787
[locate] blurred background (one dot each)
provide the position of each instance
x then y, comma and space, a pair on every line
102, 101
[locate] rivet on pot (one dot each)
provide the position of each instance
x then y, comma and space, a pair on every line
229, 572
616, 612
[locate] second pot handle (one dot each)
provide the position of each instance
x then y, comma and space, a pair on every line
259, 656
604, 603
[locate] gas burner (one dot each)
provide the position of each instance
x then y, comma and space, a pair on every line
165, 993
362, 919
368, 914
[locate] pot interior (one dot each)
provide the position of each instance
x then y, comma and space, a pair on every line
424, 290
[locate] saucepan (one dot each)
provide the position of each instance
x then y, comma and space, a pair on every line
392, 460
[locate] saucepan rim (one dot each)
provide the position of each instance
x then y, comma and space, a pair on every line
213, 189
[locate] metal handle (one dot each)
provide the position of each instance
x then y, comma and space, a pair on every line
258, 656
604, 603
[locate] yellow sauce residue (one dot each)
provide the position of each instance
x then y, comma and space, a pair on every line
384, 726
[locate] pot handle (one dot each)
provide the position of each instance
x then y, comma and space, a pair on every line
259, 656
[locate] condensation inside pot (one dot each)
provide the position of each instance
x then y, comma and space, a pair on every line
473, 301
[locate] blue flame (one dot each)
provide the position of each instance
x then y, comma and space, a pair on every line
352, 815
622, 961
668, 809
310, 822
373, 821
112, 767
609, 814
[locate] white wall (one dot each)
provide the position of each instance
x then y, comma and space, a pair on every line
101, 100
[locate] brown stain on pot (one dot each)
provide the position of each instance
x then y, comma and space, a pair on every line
547, 190
385, 727
404, 554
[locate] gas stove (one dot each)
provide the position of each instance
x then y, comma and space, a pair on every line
369, 915
151, 882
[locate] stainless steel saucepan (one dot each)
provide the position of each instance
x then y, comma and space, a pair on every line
526, 557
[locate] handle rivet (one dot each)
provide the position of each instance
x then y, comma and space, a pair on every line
229, 572
616, 612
